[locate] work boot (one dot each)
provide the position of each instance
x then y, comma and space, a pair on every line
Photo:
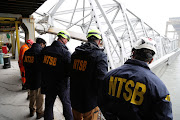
32, 111
24, 87
40, 115
28, 97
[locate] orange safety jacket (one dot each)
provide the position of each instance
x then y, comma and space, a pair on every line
20, 61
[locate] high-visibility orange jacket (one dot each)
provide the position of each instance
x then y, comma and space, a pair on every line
20, 61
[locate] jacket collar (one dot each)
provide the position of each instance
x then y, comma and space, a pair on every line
58, 44
93, 44
138, 63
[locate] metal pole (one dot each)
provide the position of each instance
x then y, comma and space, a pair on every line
73, 13
12, 44
111, 63
144, 30
56, 7
113, 32
17, 36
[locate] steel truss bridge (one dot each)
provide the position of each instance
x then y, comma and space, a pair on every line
120, 28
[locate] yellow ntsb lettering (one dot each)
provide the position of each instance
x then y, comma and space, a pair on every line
125, 95
29, 59
133, 92
168, 98
50, 60
112, 85
79, 64
138, 93
121, 81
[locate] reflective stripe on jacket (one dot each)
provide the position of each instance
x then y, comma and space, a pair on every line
21, 54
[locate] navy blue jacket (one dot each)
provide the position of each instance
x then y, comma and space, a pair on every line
31, 62
133, 92
89, 65
55, 68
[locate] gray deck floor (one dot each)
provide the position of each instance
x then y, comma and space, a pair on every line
13, 103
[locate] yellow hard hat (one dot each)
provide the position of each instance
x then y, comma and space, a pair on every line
95, 33
64, 34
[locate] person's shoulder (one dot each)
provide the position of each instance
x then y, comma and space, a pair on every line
66, 53
100, 55
99, 51
37, 48
113, 72
24, 46
46, 49
62, 51
154, 79
103, 54
28, 50
157, 86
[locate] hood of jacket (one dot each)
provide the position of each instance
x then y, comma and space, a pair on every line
88, 47
36, 45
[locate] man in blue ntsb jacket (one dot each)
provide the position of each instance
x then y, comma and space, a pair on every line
89, 65
133, 92
31, 63
55, 65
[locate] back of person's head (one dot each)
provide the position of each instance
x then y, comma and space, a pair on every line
63, 34
94, 35
40, 40
144, 49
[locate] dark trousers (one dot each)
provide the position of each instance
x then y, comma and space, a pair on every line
65, 99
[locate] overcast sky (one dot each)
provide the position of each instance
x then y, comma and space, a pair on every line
154, 12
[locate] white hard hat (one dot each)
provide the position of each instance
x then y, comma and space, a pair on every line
147, 43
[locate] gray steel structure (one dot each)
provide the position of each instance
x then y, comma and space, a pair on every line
119, 26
